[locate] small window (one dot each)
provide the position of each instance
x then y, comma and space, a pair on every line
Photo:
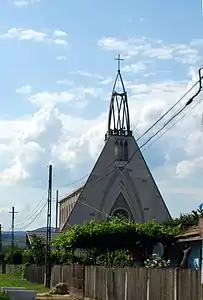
125, 151
121, 150
116, 150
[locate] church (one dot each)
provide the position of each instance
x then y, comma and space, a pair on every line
120, 182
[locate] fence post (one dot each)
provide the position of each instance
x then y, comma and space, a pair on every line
83, 285
126, 285
94, 282
148, 283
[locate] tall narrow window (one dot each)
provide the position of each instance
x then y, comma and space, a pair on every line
125, 151
116, 150
121, 150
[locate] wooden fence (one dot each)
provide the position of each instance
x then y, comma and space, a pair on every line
102, 283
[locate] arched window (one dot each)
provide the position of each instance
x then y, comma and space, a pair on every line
122, 213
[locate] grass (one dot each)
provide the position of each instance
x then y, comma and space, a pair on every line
7, 280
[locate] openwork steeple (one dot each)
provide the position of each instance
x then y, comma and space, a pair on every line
119, 120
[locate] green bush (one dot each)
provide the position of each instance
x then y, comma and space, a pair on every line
14, 257
114, 234
4, 297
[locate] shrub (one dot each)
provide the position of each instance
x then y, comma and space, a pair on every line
156, 262
4, 297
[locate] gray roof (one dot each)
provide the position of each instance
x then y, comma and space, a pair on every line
41, 234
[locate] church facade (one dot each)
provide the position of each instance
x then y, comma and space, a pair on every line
120, 182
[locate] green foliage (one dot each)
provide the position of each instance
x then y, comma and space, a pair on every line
117, 259
36, 253
114, 234
4, 297
14, 257
188, 219
156, 262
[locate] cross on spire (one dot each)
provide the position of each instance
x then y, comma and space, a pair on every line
119, 59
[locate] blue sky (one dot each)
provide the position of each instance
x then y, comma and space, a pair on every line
57, 65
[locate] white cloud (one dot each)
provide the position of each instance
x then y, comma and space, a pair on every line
21, 3
135, 68
60, 42
23, 34
190, 167
25, 89
86, 74
60, 33
65, 81
145, 47
31, 35
46, 98
61, 57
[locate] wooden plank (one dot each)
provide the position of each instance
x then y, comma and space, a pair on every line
137, 283
119, 281
161, 284
189, 285
110, 284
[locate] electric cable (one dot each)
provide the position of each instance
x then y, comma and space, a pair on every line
169, 110
34, 219
171, 119
173, 125
30, 214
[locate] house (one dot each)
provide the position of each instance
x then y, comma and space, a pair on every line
190, 238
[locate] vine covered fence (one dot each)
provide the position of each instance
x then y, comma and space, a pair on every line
94, 282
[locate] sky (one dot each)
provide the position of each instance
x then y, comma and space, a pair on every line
57, 71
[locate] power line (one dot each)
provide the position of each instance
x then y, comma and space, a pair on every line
173, 106
173, 125
38, 209
34, 219
168, 122
35, 210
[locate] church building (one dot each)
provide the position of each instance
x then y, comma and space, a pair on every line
120, 183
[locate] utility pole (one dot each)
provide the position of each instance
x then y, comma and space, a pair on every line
1, 251
57, 206
13, 212
48, 238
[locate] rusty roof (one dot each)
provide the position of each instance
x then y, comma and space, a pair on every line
192, 231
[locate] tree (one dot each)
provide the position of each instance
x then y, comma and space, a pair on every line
14, 257
36, 253
190, 219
